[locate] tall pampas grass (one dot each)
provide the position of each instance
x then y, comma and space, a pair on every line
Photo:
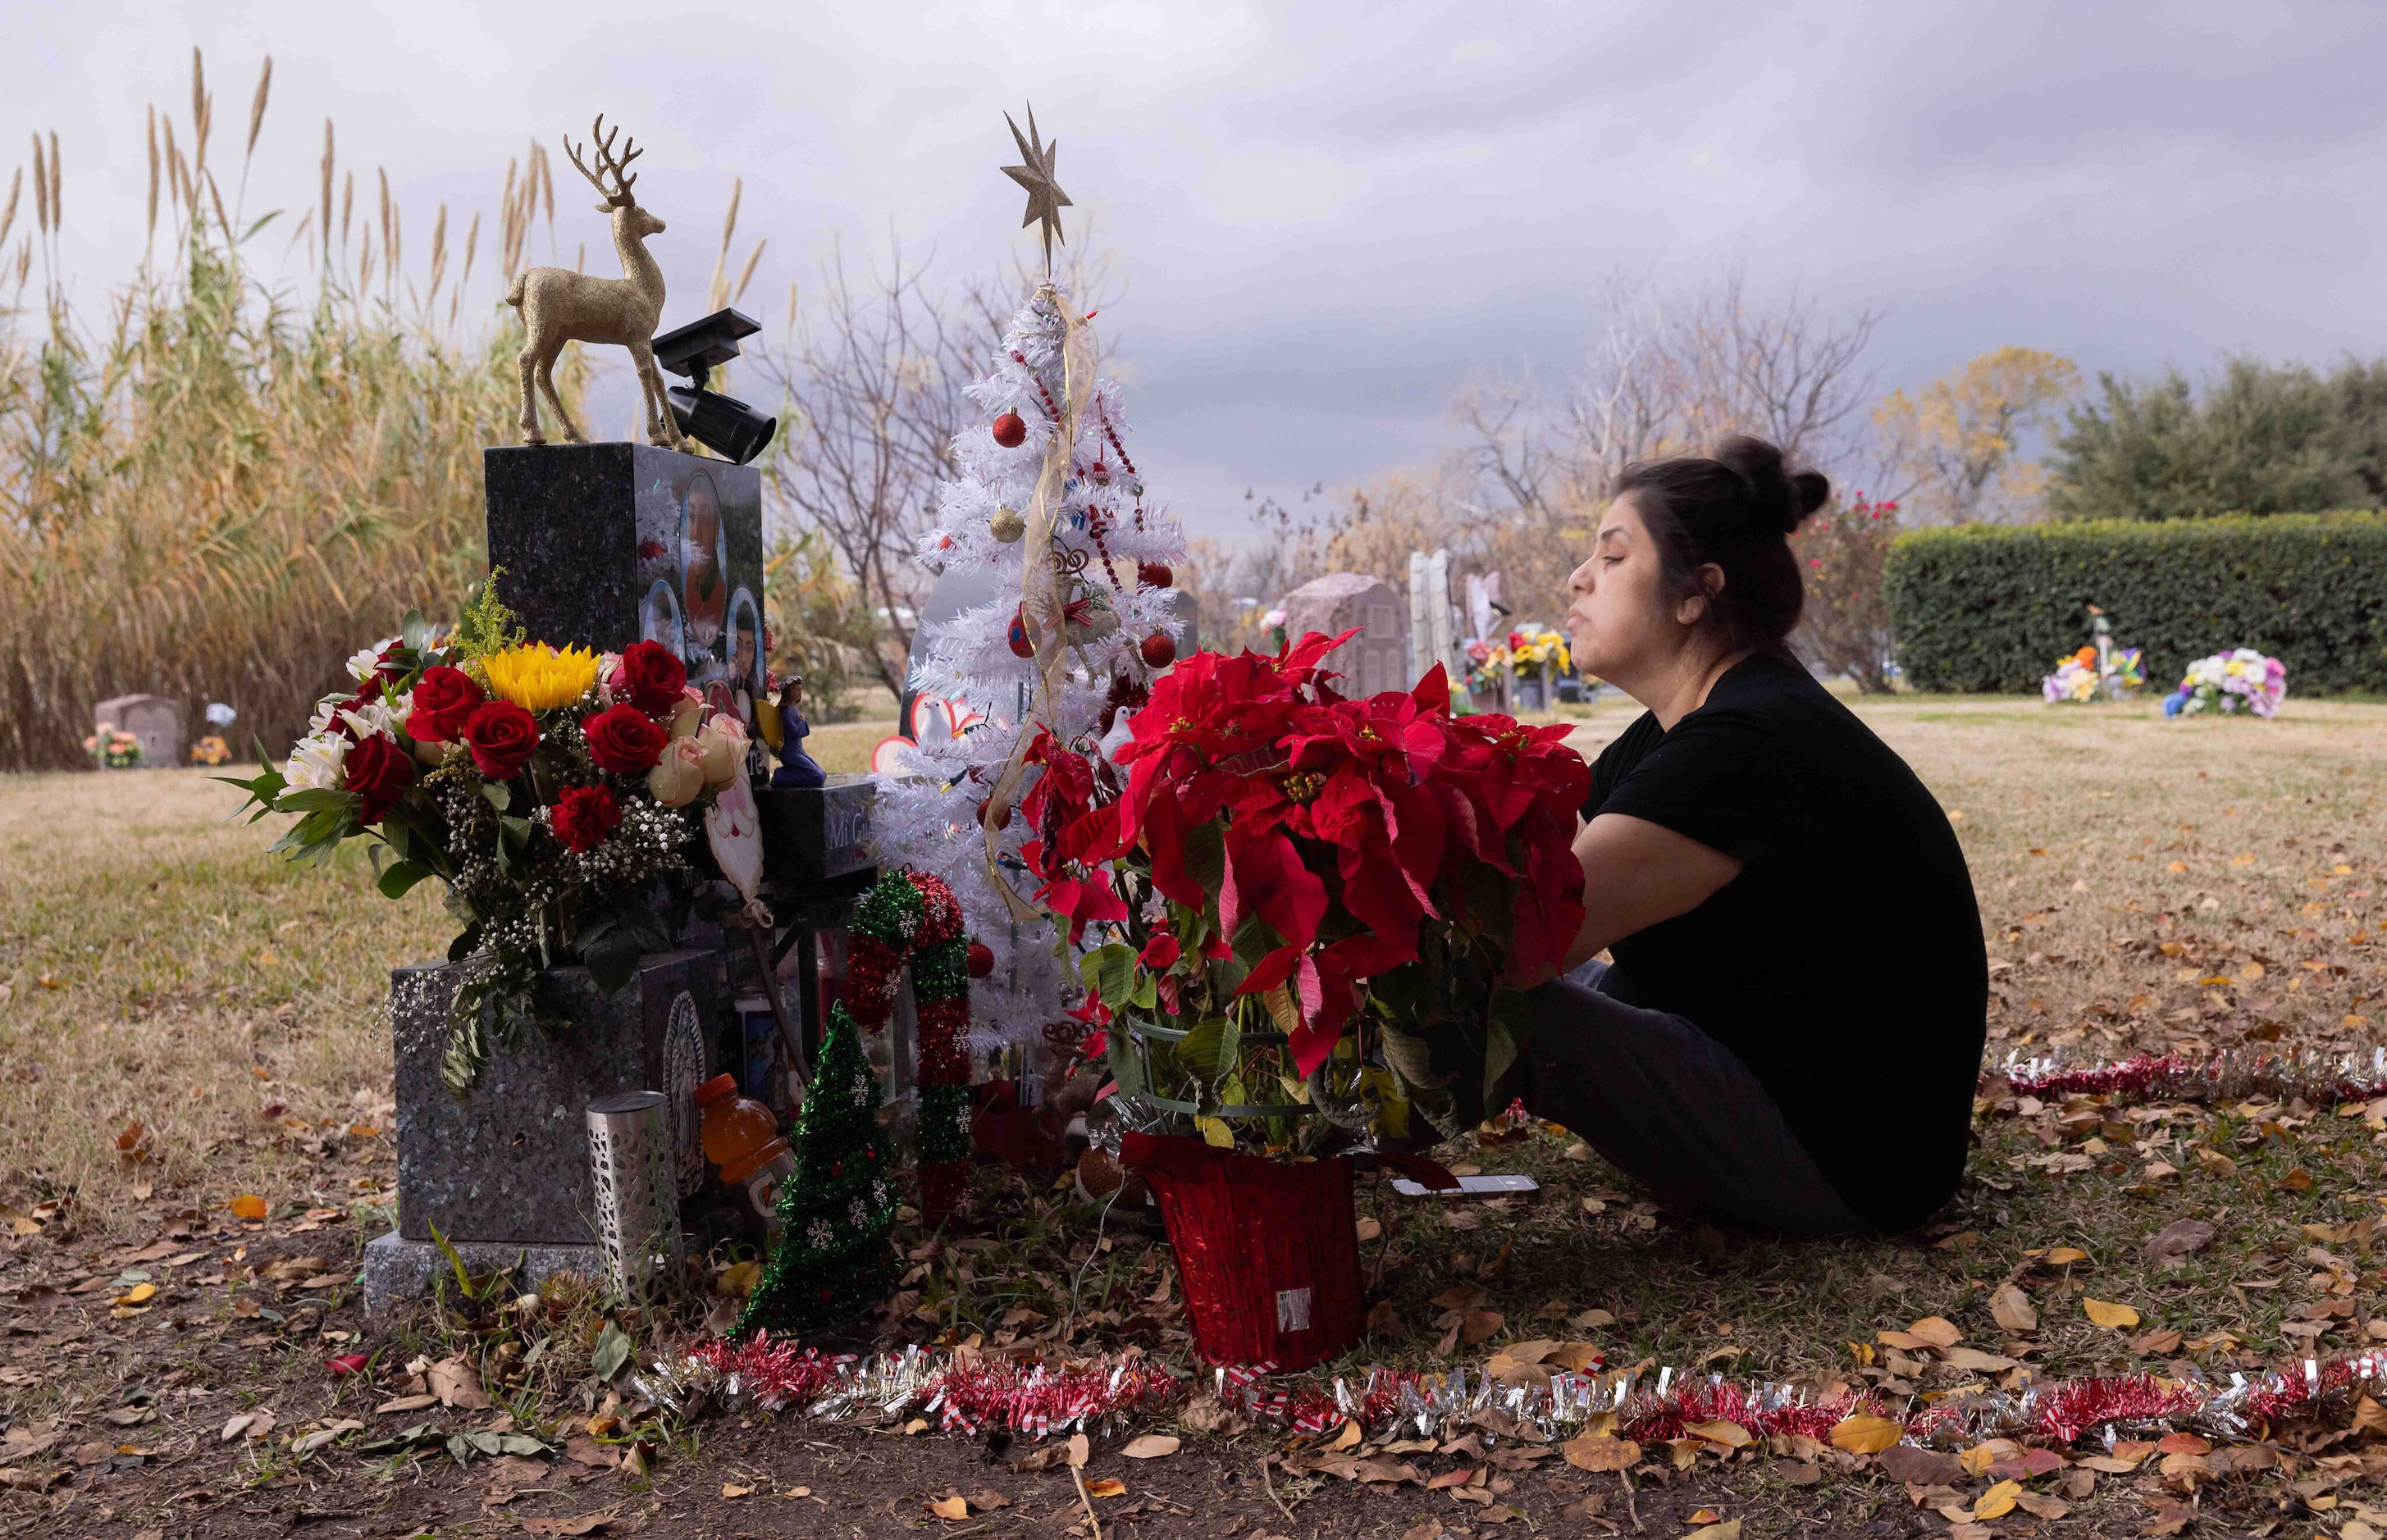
222, 485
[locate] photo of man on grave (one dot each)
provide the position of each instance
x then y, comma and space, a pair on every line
704, 564
742, 684
659, 618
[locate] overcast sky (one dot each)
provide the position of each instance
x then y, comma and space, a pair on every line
1327, 214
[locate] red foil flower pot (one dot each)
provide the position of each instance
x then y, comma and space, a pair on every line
1266, 1250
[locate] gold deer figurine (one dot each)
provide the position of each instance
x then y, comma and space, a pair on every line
559, 305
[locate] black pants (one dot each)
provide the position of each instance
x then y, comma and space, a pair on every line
1672, 1106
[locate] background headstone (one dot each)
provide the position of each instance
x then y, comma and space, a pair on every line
1375, 660
154, 719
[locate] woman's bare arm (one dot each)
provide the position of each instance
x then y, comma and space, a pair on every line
1635, 873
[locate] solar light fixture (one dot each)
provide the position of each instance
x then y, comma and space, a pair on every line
727, 426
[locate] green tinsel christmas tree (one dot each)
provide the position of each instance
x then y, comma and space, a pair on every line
832, 1261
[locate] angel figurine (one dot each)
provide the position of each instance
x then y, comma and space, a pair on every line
796, 767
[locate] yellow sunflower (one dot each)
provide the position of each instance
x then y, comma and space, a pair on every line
537, 677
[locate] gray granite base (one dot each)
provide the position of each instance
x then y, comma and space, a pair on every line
396, 1268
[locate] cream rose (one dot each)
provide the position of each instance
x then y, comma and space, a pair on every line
678, 777
724, 741
689, 714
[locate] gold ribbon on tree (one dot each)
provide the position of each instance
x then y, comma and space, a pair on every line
1043, 588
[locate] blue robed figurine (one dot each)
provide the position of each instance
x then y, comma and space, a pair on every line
796, 767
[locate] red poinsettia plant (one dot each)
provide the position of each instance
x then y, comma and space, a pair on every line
1328, 877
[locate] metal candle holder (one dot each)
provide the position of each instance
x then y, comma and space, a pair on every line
638, 1197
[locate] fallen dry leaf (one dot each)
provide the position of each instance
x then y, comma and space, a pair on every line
955, 1507
1976, 1361
2156, 1343
1916, 1466
1732, 1436
1076, 1451
249, 1205
585, 1524
2177, 1239
2107, 1314
732, 1493
2011, 1310
1480, 1325
1601, 1452
1106, 1486
1997, 1502
1936, 1330
1155, 1446
456, 1383
1863, 1434
2043, 1506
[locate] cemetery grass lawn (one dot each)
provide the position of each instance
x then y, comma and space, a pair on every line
2142, 885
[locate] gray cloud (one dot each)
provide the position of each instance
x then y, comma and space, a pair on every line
1329, 213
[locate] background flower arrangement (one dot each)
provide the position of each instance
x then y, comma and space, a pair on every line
1296, 885
549, 790
2080, 677
2230, 682
113, 748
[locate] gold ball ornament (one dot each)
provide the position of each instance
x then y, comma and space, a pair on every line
1006, 525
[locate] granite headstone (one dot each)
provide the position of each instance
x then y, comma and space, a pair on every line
154, 719
609, 544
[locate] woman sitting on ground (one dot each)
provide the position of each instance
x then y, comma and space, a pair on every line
1790, 1035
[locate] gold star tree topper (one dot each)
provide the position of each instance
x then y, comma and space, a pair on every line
1045, 199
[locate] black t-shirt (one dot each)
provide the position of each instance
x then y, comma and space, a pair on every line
1845, 964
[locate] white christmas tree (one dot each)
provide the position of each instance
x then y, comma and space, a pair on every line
1106, 566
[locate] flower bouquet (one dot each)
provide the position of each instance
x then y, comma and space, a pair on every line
113, 748
2082, 676
1286, 876
549, 790
1291, 888
1531, 649
2229, 681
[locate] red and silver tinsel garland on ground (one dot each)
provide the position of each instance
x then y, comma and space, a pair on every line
972, 1393
2232, 1075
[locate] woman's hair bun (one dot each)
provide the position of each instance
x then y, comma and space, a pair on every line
1783, 499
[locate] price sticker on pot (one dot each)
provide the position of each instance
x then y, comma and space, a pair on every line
1293, 1309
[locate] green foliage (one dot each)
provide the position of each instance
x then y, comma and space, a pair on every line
486, 624
1986, 607
821, 629
2263, 438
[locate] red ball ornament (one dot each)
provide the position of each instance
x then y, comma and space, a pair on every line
981, 960
1020, 646
1154, 574
1158, 650
989, 813
1010, 430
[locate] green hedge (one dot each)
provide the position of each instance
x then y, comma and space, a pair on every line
1991, 607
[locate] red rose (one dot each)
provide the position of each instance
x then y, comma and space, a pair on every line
650, 678
502, 736
444, 698
1160, 952
378, 771
584, 816
623, 739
